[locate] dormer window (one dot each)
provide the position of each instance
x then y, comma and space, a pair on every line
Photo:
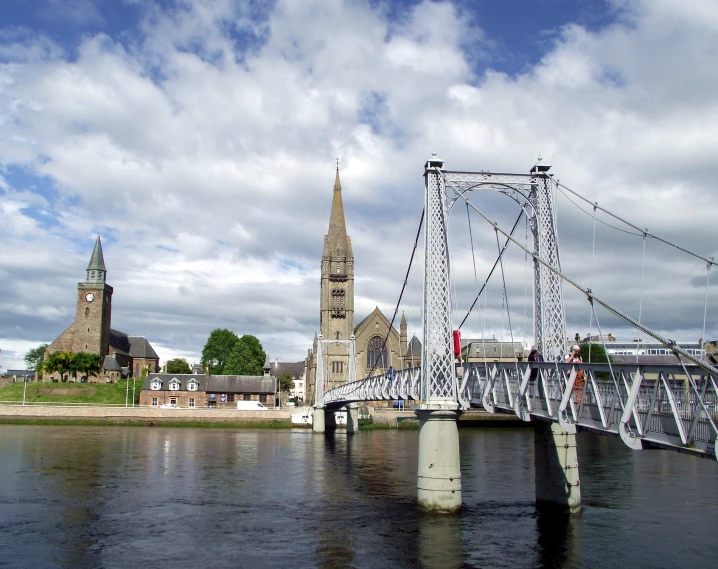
156, 384
192, 385
174, 384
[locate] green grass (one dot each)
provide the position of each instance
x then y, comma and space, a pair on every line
91, 393
151, 423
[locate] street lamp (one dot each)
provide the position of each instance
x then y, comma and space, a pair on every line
24, 389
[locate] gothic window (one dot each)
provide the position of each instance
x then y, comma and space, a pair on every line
376, 353
337, 367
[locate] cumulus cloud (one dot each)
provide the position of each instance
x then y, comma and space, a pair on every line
200, 144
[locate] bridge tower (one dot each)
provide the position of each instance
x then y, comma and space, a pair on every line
439, 473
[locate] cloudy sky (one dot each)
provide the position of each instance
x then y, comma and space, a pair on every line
199, 140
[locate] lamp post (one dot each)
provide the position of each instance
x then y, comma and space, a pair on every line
24, 389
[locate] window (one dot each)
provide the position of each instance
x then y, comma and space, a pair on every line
137, 369
154, 401
262, 398
337, 367
338, 296
173, 400
156, 384
230, 397
190, 402
246, 397
174, 384
87, 311
376, 353
192, 385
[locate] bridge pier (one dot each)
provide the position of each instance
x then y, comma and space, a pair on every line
556, 468
439, 472
352, 419
318, 425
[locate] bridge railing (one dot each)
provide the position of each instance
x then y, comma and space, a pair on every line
662, 405
393, 385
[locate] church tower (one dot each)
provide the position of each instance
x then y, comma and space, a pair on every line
94, 308
337, 290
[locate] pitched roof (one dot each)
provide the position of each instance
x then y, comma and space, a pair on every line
111, 364
183, 378
414, 346
141, 348
241, 384
295, 368
336, 241
120, 342
97, 261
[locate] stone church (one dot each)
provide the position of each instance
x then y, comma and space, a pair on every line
336, 316
123, 355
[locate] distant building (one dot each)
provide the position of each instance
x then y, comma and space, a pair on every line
209, 391
297, 371
491, 350
90, 332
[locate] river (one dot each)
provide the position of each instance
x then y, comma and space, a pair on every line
174, 498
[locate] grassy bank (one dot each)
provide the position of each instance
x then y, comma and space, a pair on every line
89, 393
121, 422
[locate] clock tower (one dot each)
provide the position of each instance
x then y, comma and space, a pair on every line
94, 308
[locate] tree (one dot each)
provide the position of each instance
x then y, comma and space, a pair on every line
598, 356
61, 362
247, 357
178, 365
217, 349
286, 381
88, 364
34, 357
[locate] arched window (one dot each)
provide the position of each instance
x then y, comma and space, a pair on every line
376, 353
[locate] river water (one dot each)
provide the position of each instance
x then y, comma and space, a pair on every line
159, 497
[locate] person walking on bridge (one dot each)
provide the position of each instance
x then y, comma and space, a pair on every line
535, 356
575, 358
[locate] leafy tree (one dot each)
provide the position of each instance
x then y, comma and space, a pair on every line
598, 356
34, 357
178, 365
247, 357
217, 349
61, 362
286, 381
88, 364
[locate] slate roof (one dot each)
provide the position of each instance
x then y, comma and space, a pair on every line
141, 348
414, 346
296, 369
135, 346
111, 364
216, 383
97, 261
183, 378
20, 372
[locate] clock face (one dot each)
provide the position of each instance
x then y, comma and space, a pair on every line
89, 297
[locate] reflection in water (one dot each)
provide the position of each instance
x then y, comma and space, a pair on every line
119, 497
558, 538
440, 542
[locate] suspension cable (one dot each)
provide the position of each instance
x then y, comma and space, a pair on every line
593, 279
671, 344
491, 272
508, 310
640, 300
401, 294
641, 231
705, 305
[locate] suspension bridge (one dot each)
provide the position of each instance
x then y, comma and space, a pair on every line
668, 406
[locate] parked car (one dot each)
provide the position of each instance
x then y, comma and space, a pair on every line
169, 406
250, 406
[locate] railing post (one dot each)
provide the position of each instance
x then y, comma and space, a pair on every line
439, 473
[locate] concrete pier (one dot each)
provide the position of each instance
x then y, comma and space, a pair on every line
318, 420
352, 418
439, 472
556, 468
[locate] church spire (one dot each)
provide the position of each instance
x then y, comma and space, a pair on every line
336, 242
96, 270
